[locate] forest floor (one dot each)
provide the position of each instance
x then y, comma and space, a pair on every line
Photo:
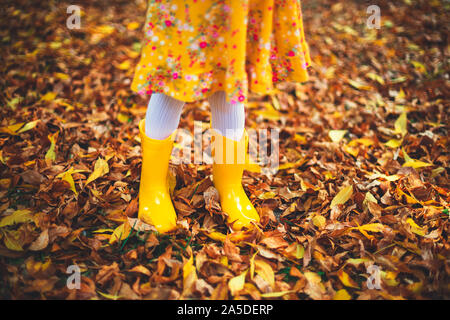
357, 210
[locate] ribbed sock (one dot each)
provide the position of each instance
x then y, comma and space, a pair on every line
227, 118
162, 116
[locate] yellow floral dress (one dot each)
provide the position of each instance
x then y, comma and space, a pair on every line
193, 48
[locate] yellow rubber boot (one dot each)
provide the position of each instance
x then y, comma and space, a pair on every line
229, 158
155, 204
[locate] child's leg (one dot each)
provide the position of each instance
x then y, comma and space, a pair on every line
161, 120
228, 121
227, 118
163, 116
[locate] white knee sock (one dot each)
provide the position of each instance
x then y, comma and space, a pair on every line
162, 116
227, 118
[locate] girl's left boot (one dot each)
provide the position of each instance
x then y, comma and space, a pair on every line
229, 160
155, 204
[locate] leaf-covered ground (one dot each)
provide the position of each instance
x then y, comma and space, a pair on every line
362, 186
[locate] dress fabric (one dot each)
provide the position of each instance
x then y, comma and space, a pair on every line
193, 48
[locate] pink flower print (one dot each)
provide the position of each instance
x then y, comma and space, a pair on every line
291, 53
241, 98
175, 75
203, 44
168, 23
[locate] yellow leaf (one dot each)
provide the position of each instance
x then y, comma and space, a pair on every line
270, 114
216, 236
419, 66
299, 139
189, 275
103, 231
49, 96
124, 65
389, 278
132, 26
28, 126
400, 96
371, 227
252, 265
359, 85
356, 262
12, 129
346, 280
267, 195
100, 169
337, 135
224, 261
394, 143
236, 284
409, 162
375, 77
105, 29
188, 267
275, 294
12, 241
437, 171
67, 176
351, 150
265, 271
342, 295
364, 141
18, 216
319, 221
416, 164
369, 198
51, 151
299, 251
290, 165
123, 118
416, 228
377, 175
329, 175
343, 196
120, 233
62, 76
109, 296
275, 102
400, 125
